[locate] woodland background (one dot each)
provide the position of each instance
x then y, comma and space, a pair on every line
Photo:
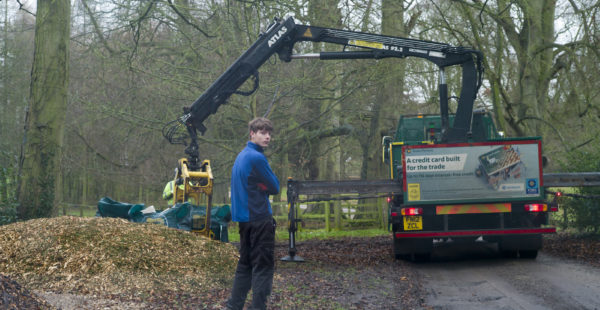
133, 65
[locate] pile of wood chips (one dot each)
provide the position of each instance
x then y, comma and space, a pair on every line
104, 256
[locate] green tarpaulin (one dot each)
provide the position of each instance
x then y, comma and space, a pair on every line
179, 216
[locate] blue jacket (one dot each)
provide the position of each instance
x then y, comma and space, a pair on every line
252, 181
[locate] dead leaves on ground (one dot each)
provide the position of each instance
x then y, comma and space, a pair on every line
349, 251
580, 247
345, 273
14, 296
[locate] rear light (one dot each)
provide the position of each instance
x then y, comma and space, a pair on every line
554, 204
536, 207
394, 214
412, 211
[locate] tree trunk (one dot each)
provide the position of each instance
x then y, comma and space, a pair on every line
40, 161
388, 101
320, 165
535, 61
531, 37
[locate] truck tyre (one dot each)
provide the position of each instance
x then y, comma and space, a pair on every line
414, 257
526, 245
509, 253
415, 249
402, 256
398, 250
421, 257
528, 254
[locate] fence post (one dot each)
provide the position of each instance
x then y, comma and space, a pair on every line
338, 214
327, 223
380, 212
565, 218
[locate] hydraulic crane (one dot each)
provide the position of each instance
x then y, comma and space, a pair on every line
280, 38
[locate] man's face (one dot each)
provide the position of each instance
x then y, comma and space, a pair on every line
260, 137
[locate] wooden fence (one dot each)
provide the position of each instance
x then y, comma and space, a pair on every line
336, 215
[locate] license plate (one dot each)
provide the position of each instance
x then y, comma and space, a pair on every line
413, 223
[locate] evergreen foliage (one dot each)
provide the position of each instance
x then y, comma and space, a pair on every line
584, 208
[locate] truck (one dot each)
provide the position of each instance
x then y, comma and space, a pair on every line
419, 216
487, 188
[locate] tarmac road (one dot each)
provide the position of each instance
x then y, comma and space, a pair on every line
467, 277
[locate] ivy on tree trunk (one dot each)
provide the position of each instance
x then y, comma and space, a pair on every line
42, 149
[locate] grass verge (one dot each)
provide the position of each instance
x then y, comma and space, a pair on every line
282, 233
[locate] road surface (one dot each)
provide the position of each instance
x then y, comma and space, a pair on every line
476, 278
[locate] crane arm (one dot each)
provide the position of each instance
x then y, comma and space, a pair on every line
280, 38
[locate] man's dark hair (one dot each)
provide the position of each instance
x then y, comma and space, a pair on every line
260, 123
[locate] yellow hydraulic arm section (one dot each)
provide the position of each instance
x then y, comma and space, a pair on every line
198, 189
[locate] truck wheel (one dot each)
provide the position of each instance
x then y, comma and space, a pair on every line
414, 257
527, 245
399, 251
509, 254
528, 254
415, 249
402, 256
421, 257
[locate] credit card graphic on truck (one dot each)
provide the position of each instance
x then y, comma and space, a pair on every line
500, 164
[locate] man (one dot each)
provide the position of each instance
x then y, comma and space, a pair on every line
252, 181
169, 191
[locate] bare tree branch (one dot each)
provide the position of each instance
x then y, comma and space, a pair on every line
97, 27
22, 8
185, 19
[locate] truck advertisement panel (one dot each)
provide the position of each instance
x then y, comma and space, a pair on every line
491, 171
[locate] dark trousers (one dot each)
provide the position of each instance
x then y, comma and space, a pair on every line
256, 265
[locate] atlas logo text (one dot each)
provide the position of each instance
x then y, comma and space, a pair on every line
277, 36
